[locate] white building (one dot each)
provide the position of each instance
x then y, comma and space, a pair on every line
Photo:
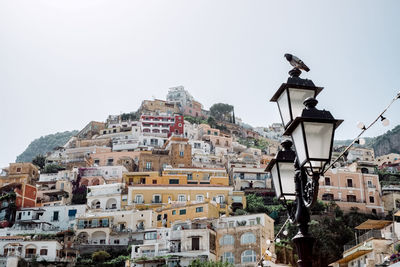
105, 197
49, 251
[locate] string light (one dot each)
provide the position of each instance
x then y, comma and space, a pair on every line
361, 125
385, 121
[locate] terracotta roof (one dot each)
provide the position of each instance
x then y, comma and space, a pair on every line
373, 224
11, 237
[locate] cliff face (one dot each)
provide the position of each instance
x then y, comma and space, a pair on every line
387, 143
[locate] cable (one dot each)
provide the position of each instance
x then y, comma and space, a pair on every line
263, 255
362, 131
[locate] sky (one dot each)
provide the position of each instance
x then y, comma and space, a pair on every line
65, 63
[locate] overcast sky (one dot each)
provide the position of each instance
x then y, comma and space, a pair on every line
65, 63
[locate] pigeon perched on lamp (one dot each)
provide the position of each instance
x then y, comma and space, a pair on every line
298, 65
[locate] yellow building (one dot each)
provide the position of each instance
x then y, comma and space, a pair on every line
20, 173
179, 176
172, 213
144, 196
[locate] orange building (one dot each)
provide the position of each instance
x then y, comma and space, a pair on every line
352, 189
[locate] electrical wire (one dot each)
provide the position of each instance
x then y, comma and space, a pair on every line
362, 132
263, 255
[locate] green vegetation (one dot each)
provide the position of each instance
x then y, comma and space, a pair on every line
52, 168
100, 256
222, 112
45, 144
130, 116
39, 161
260, 143
194, 120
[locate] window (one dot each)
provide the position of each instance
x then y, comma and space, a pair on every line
327, 197
370, 184
181, 198
200, 198
116, 241
148, 165
349, 183
173, 212
139, 199
248, 256
199, 209
351, 198
181, 154
220, 199
252, 222
247, 238
327, 181
195, 243
228, 257
43, 252
231, 224
156, 199
371, 199
173, 181
55, 216
154, 181
150, 236
226, 240
190, 176
182, 212
18, 169
97, 161
72, 214
159, 217
110, 162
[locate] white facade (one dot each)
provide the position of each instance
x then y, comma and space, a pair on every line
107, 172
68, 175
200, 147
105, 197
44, 250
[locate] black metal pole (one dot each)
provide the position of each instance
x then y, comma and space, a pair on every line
303, 240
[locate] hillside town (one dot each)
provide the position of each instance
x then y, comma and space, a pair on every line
171, 184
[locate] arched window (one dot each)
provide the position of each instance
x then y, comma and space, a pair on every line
249, 256
226, 240
247, 238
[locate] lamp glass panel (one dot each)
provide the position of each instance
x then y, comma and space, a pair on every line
283, 104
319, 138
275, 179
298, 140
297, 97
286, 170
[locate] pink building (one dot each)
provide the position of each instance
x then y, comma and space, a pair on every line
352, 189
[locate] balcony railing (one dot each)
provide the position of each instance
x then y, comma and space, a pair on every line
363, 238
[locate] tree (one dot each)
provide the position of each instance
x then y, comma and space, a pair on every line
79, 191
52, 168
100, 256
255, 204
39, 161
221, 111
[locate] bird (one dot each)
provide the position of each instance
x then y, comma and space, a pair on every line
296, 62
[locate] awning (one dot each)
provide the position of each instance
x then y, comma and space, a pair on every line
353, 256
373, 224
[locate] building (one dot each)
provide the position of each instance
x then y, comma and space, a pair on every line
105, 197
352, 189
359, 153
162, 125
180, 151
75, 157
144, 196
54, 193
158, 106
128, 159
373, 245
101, 175
155, 160
242, 240
91, 129
220, 143
172, 213
17, 246
20, 173
387, 159
250, 177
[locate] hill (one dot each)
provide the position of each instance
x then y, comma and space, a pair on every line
386, 143
45, 144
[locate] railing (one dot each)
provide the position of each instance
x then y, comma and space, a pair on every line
156, 201
371, 186
363, 238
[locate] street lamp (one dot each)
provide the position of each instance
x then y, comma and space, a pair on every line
312, 132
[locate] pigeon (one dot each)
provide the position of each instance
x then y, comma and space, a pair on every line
296, 62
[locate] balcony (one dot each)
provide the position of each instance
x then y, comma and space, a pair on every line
156, 201
363, 238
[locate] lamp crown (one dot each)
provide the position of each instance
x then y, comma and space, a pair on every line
287, 145
310, 102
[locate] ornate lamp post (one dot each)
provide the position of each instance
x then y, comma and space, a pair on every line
312, 132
